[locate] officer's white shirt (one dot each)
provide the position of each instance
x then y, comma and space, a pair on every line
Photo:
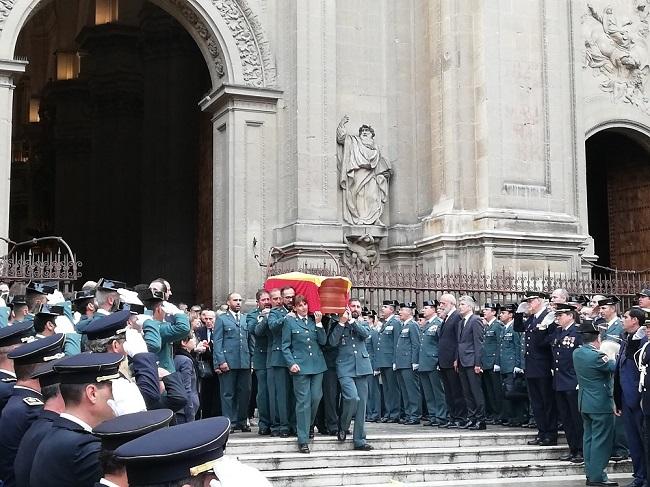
80, 422
8, 372
108, 482
611, 322
491, 321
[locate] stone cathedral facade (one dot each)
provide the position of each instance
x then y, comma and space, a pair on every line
196, 139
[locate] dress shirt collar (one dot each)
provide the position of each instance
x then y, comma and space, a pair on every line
80, 422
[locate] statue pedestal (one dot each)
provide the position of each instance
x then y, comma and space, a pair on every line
378, 232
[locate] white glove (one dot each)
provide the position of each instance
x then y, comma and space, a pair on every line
497, 368
415, 366
3, 303
134, 343
394, 366
640, 333
376, 373
140, 319
127, 398
62, 324
170, 309
129, 297
523, 307
517, 370
55, 298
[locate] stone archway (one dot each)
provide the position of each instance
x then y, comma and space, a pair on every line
617, 184
242, 104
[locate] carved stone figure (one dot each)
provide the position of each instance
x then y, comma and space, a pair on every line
362, 252
363, 175
616, 44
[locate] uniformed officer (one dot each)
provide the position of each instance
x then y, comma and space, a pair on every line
116, 432
407, 354
5, 310
329, 406
69, 454
257, 323
233, 349
385, 358
353, 368
36, 294
26, 402
594, 373
302, 339
107, 301
10, 338
282, 407
626, 390
538, 362
172, 324
83, 305
373, 407
53, 406
19, 309
491, 379
564, 341
509, 363
45, 325
428, 371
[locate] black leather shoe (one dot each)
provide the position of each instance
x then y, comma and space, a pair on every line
548, 442
454, 425
411, 422
618, 457
480, 425
284, 434
577, 459
341, 435
311, 433
466, 425
443, 424
275, 434
384, 420
232, 430
303, 448
536, 441
244, 428
364, 447
602, 483
266, 432
566, 457
394, 420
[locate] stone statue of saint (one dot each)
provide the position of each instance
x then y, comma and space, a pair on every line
363, 175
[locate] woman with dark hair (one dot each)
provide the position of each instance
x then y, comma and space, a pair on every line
186, 367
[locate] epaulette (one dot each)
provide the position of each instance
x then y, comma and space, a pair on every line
32, 401
8, 379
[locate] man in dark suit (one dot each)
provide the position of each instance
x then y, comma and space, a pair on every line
539, 359
448, 362
470, 355
209, 391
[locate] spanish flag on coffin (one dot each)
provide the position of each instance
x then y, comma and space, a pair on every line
324, 294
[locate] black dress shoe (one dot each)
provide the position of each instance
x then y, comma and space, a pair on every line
466, 425
536, 441
479, 425
284, 434
602, 483
394, 420
232, 430
384, 420
341, 435
566, 457
443, 424
401, 421
618, 458
454, 425
303, 448
577, 459
364, 447
244, 428
548, 442
311, 433
275, 434
262, 432
412, 422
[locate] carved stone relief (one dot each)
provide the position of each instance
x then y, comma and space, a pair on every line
5, 9
362, 252
616, 49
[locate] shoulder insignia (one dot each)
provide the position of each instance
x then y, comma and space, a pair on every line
605, 358
8, 379
32, 401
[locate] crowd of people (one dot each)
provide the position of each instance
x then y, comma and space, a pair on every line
112, 371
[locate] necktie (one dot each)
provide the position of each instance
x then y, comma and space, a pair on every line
237, 317
304, 320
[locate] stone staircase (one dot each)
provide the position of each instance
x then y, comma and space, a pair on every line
408, 455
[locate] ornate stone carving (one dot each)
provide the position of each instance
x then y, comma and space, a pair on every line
5, 10
363, 175
362, 252
616, 48
204, 33
257, 66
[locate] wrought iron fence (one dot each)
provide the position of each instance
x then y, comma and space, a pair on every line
374, 286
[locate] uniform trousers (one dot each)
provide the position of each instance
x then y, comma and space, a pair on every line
598, 436
391, 393
434, 395
542, 402
567, 407
454, 394
278, 378
633, 420
373, 408
470, 381
620, 441
235, 394
262, 399
515, 409
354, 396
409, 386
331, 396
308, 390
493, 394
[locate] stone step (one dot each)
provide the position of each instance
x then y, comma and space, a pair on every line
470, 473
401, 456
435, 438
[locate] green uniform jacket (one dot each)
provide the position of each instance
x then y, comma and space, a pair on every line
232, 343
407, 350
385, 352
615, 330
491, 343
353, 359
259, 330
275, 322
595, 385
428, 358
511, 353
301, 344
169, 332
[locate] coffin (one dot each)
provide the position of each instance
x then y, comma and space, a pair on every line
324, 294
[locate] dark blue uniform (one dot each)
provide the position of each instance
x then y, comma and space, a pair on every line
68, 455
565, 384
22, 409
539, 360
29, 444
7, 382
